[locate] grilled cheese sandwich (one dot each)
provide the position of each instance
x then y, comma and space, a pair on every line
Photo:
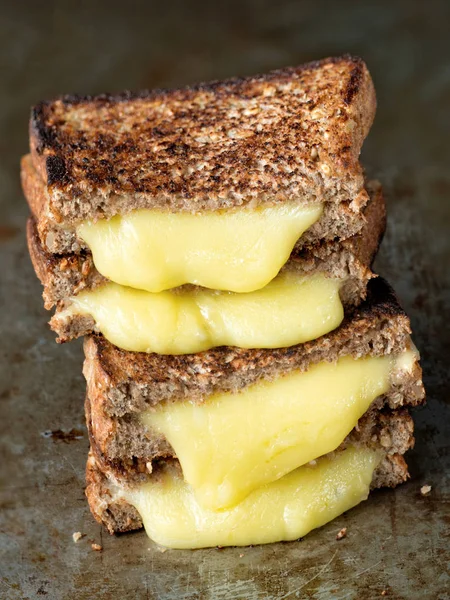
215, 245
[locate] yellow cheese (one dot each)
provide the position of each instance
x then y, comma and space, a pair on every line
237, 250
234, 443
290, 310
283, 510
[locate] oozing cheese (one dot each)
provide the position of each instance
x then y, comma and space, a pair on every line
234, 443
237, 250
290, 310
284, 510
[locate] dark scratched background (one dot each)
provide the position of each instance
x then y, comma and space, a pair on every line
398, 541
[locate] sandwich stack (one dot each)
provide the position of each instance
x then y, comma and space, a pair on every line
248, 375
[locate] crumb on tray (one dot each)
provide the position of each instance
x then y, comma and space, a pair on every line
425, 490
342, 533
96, 547
77, 535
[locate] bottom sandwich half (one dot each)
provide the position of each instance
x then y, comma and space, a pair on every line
283, 510
241, 447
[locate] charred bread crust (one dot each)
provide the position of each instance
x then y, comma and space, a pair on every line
78, 148
393, 430
133, 381
352, 87
294, 134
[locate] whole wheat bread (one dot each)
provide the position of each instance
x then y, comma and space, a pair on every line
64, 276
121, 382
130, 450
391, 432
290, 135
347, 260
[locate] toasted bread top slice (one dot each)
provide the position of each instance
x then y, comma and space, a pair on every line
292, 134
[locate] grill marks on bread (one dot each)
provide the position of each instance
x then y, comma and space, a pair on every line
289, 134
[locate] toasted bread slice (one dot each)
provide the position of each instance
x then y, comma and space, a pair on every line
390, 432
291, 135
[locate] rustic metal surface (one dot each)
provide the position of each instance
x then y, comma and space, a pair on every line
397, 541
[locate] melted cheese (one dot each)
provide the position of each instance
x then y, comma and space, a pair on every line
234, 443
290, 310
284, 510
237, 250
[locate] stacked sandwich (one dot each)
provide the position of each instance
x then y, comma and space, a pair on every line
248, 376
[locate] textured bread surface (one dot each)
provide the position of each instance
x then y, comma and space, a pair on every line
390, 432
130, 450
64, 276
288, 134
124, 382
338, 219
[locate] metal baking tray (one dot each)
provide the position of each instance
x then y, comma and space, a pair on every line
397, 543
